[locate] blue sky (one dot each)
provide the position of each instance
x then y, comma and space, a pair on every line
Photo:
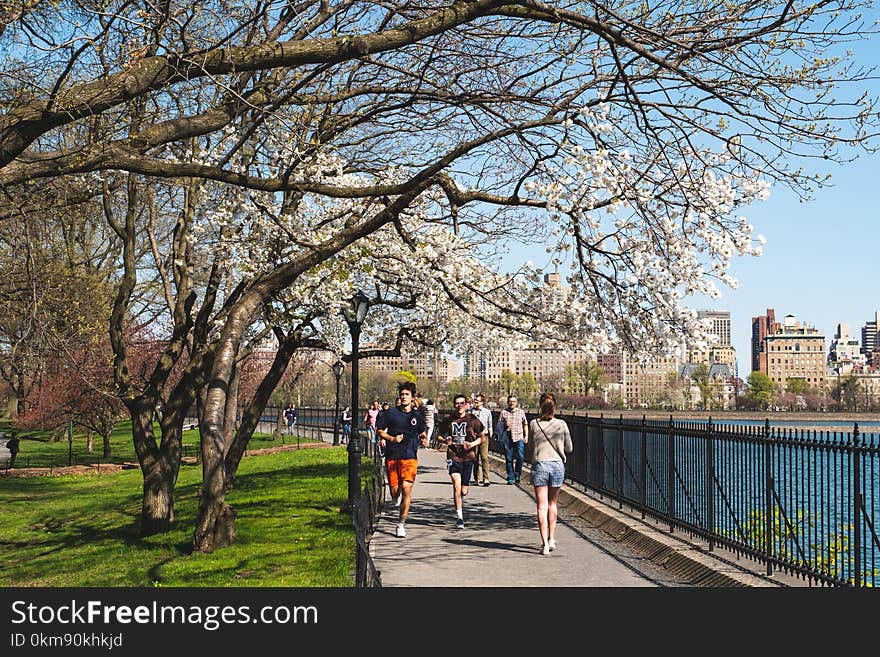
821, 261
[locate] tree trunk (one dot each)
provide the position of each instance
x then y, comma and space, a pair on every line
58, 433
257, 405
11, 411
159, 465
107, 453
215, 524
157, 512
90, 444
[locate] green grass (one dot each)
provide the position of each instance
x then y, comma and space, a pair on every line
37, 450
82, 531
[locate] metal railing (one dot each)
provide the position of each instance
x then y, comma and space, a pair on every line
806, 502
366, 513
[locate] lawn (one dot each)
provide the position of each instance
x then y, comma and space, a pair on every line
37, 449
82, 531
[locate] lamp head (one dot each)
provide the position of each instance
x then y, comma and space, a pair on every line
338, 368
356, 310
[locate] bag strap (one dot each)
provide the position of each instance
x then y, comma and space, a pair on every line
555, 448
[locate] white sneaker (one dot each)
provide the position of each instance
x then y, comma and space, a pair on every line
396, 500
551, 544
545, 549
400, 532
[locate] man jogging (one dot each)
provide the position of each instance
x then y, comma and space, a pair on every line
403, 429
462, 432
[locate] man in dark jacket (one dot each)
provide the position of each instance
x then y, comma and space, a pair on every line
12, 445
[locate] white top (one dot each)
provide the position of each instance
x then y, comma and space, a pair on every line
484, 415
555, 431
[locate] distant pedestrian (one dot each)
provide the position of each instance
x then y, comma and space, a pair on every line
421, 407
551, 441
345, 422
290, 417
402, 428
12, 445
481, 463
370, 420
515, 435
462, 432
430, 421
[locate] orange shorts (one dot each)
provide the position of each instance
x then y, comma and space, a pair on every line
401, 470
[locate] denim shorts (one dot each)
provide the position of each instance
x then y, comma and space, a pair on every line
548, 473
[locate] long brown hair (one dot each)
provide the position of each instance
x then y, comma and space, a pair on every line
548, 406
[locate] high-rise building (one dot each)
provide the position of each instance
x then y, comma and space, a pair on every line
794, 351
720, 351
762, 326
845, 351
870, 336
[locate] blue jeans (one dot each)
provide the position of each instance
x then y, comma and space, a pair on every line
513, 458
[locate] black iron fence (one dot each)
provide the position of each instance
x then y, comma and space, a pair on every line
366, 512
806, 502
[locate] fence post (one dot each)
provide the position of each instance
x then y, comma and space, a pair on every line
644, 469
620, 463
857, 502
670, 475
710, 480
768, 498
600, 455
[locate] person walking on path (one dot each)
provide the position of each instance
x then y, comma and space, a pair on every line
290, 416
370, 420
481, 463
403, 430
462, 432
430, 420
12, 445
515, 435
345, 421
551, 441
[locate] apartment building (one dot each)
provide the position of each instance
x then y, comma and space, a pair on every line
794, 351
642, 383
870, 336
542, 363
762, 326
845, 351
719, 352
429, 365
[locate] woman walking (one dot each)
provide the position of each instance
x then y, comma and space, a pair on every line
551, 442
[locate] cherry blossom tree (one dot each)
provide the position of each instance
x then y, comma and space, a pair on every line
262, 162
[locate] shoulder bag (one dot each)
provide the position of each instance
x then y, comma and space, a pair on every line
555, 449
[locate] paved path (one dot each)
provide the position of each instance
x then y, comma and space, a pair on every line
499, 545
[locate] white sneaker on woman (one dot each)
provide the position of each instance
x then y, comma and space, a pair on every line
545, 549
551, 544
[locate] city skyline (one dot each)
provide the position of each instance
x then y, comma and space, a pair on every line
814, 268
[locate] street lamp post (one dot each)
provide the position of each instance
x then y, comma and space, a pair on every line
338, 368
355, 313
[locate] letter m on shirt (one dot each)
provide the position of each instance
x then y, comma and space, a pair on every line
459, 429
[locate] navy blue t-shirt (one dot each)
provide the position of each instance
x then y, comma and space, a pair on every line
396, 422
